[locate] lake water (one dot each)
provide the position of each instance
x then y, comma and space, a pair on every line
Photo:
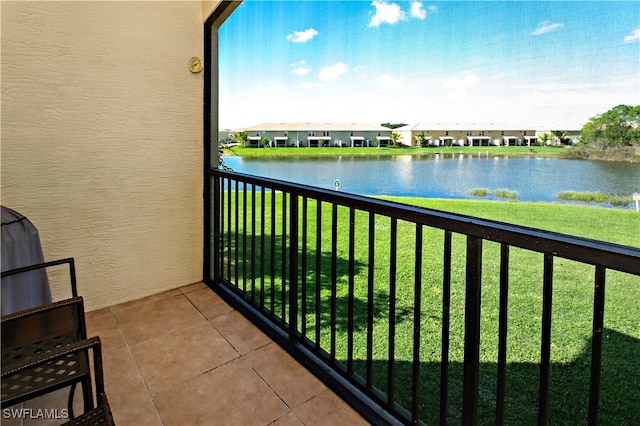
447, 175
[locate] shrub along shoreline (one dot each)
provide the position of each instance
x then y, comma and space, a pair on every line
568, 152
546, 151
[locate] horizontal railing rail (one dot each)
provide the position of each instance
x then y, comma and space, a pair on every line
412, 309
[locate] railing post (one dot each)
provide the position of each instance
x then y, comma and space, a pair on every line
215, 265
472, 331
293, 267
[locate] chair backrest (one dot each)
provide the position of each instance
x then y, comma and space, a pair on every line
61, 321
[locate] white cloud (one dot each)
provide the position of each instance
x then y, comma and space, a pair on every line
300, 68
386, 13
334, 71
546, 26
635, 35
389, 82
417, 10
457, 87
300, 71
455, 83
302, 36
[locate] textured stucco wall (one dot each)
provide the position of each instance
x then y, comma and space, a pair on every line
102, 139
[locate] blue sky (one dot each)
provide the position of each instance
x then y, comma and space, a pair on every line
545, 64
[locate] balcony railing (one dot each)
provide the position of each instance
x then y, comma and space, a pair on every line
415, 315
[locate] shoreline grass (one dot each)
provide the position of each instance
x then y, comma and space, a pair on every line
479, 192
596, 197
506, 193
548, 151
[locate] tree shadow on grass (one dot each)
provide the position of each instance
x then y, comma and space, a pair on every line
260, 284
569, 382
568, 389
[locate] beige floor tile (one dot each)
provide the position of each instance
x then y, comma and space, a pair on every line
123, 383
140, 413
103, 323
154, 297
289, 419
240, 332
180, 355
291, 381
185, 357
327, 409
192, 287
209, 303
232, 394
151, 318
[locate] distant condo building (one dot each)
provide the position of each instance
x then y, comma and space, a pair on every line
318, 135
314, 134
466, 134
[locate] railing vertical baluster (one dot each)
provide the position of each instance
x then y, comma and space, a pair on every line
293, 268
352, 273
272, 257
253, 242
472, 331
237, 236
596, 344
545, 344
334, 277
370, 296
417, 302
229, 209
303, 268
262, 232
244, 239
318, 270
391, 361
446, 304
502, 332
283, 261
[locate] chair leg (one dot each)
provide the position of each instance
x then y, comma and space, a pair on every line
70, 403
87, 394
87, 397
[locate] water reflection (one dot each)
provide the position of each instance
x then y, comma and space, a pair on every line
447, 175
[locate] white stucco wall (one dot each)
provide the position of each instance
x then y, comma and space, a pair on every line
102, 143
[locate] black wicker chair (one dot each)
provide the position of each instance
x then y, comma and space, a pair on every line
95, 414
39, 330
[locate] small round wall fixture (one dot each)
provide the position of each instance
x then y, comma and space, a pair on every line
195, 65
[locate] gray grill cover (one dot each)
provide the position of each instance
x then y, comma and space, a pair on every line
21, 247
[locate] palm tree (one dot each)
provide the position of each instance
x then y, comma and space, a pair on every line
395, 138
240, 138
421, 138
561, 135
544, 139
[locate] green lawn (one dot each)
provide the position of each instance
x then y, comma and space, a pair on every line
491, 150
572, 307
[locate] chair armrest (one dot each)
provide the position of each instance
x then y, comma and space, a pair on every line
69, 260
56, 353
43, 308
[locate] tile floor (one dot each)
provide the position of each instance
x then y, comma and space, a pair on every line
185, 357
